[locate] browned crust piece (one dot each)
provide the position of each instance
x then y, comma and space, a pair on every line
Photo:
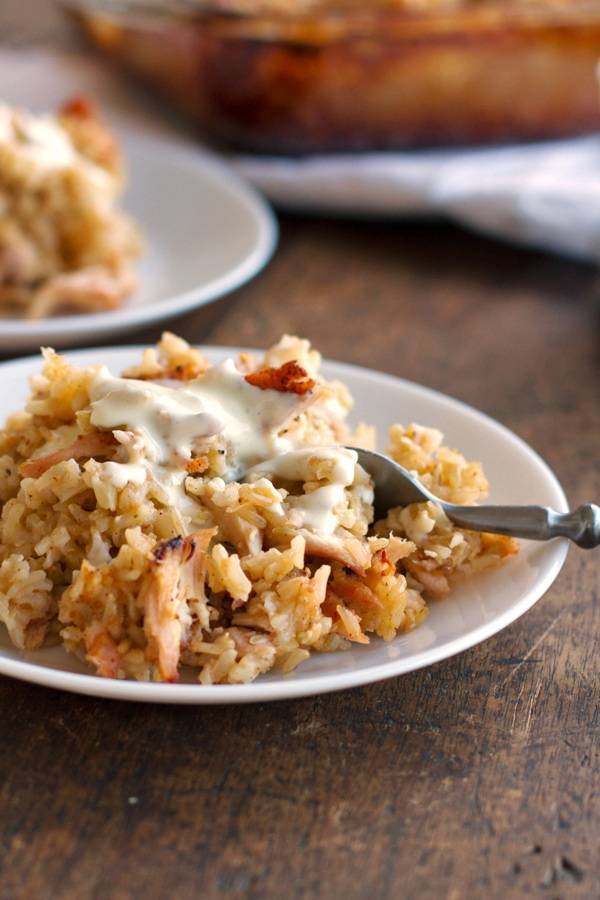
290, 378
79, 116
331, 76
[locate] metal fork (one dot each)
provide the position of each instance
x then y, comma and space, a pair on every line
396, 486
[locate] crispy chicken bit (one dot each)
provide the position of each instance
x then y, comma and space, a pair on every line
80, 118
80, 107
197, 466
290, 378
93, 444
176, 575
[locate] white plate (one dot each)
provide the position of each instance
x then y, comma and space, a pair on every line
206, 233
470, 614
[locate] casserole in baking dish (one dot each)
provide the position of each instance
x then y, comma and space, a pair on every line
313, 76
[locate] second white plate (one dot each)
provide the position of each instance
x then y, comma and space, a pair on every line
473, 612
206, 233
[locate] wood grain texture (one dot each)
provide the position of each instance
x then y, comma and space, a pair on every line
476, 778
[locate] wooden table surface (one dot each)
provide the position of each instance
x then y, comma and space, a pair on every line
475, 778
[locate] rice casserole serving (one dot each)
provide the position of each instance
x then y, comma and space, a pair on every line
210, 516
65, 245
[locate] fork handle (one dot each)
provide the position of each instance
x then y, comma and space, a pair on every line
537, 523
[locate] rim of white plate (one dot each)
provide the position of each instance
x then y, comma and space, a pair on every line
260, 692
128, 317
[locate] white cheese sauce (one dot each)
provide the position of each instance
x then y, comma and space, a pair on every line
46, 144
251, 416
318, 507
173, 421
168, 418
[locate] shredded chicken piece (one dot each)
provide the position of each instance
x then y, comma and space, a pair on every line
93, 289
35, 633
288, 378
434, 583
101, 650
176, 574
350, 551
346, 623
233, 528
350, 625
350, 589
93, 444
241, 638
17, 264
14, 298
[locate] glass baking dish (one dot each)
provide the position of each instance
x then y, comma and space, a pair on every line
315, 76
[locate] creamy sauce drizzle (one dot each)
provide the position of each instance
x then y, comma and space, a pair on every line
317, 507
46, 144
169, 419
121, 474
174, 421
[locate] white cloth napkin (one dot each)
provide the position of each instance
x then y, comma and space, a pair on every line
545, 195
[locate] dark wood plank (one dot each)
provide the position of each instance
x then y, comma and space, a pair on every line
476, 778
